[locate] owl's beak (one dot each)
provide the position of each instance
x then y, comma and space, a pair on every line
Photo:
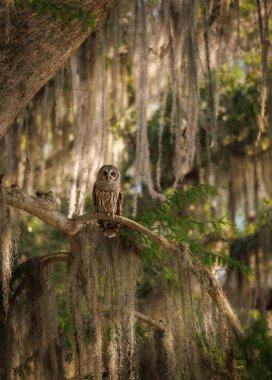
108, 177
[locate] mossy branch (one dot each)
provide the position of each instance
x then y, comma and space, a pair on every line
90, 217
41, 209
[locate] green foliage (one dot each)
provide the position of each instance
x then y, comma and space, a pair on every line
211, 258
38, 238
175, 200
67, 11
89, 204
239, 106
167, 218
141, 333
264, 215
65, 326
254, 350
218, 359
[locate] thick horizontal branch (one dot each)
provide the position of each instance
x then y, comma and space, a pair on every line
44, 211
41, 209
89, 217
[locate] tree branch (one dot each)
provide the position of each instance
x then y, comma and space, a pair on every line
149, 321
45, 259
41, 209
89, 217
37, 207
217, 294
55, 257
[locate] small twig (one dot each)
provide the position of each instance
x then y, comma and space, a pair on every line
212, 238
149, 321
54, 257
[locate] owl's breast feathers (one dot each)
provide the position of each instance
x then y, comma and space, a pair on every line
106, 196
104, 185
106, 201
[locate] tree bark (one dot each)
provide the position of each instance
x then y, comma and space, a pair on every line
37, 47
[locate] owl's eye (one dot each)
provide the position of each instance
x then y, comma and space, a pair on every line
112, 174
105, 173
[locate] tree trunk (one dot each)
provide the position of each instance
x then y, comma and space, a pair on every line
5, 346
37, 47
102, 275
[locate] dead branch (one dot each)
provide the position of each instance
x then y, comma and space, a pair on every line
149, 321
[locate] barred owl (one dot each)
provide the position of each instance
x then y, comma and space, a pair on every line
108, 197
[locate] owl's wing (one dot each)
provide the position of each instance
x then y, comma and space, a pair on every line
120, 203
94, 198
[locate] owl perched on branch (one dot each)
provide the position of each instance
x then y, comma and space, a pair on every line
108, 197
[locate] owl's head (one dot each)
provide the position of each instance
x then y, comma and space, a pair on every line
108, 173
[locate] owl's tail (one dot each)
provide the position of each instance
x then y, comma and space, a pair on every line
109, 229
